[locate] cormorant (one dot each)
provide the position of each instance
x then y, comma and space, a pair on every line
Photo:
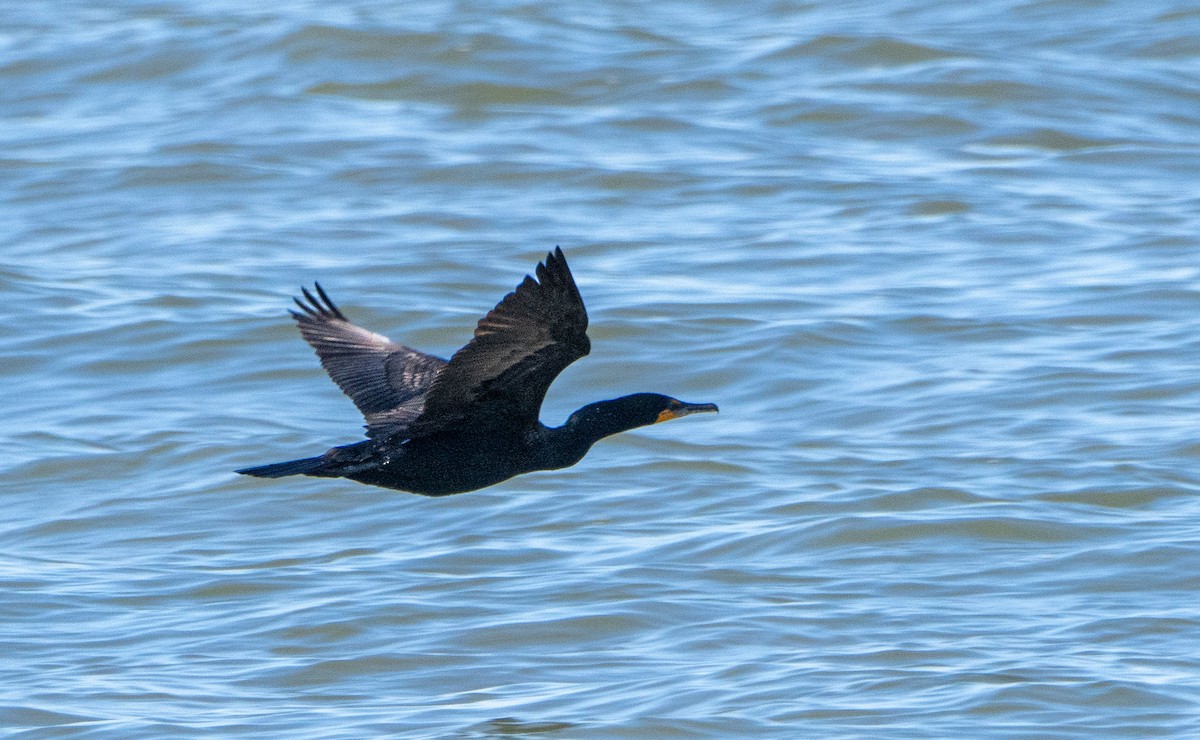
436, 427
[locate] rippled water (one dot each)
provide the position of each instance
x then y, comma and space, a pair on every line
937, 263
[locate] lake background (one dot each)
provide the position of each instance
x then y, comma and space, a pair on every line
937, 262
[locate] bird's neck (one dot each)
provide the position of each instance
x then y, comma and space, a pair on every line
566, 445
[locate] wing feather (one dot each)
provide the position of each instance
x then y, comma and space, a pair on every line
377, 374
501, 376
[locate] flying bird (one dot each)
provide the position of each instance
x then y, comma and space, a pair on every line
438, 427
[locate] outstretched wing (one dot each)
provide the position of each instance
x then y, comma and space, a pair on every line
379, 375
519, 348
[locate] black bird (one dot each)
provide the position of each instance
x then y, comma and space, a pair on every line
436, 427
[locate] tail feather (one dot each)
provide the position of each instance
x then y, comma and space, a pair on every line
306, 466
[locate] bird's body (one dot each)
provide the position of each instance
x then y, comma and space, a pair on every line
436, 427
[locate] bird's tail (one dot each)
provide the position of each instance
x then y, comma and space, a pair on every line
306, 466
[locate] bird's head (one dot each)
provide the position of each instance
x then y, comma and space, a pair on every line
630, 412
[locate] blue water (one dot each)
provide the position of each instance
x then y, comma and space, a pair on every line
937, 263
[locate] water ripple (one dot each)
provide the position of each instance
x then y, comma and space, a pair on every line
935, 263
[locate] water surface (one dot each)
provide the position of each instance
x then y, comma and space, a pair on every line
936, 262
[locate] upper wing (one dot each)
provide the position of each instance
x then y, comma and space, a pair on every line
519, 348
377, 374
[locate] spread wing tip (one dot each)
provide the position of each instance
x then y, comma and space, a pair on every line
316, 307
554, 269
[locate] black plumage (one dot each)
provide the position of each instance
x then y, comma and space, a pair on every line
436, 427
